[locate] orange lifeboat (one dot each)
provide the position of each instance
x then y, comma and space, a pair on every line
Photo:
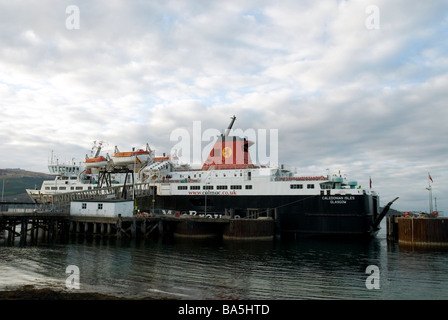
125, 158
96, 162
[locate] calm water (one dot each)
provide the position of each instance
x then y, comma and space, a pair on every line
231, 270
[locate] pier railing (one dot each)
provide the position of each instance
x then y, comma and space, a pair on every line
12, 207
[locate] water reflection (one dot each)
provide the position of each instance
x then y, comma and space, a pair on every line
211, 269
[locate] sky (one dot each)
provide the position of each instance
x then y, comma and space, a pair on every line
359, 87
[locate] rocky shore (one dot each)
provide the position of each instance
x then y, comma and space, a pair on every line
29, 292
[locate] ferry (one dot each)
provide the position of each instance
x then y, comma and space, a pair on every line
69, 177
89, 174
228, 183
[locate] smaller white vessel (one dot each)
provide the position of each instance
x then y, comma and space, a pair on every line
69, 177
87, 175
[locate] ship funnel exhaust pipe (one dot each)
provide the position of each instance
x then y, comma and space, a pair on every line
230, 126
382, 214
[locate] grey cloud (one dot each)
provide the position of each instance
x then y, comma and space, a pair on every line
371, 102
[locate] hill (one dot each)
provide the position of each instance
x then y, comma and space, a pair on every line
20, 173
393, 212
13, 183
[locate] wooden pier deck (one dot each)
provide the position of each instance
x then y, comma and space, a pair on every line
48, 226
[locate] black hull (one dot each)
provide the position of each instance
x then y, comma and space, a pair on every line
300, 215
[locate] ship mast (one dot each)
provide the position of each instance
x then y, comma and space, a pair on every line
430, 192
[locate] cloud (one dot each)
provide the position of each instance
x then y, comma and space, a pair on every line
342, 96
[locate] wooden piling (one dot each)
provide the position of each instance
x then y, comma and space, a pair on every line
50, 229
9, 229
118, 227
33, 230
392, 227
143, 228
134, 228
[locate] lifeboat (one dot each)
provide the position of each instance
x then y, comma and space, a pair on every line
131, 157
160, 159
96, 162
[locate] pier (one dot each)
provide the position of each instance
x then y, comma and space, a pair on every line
31, 227
420, 230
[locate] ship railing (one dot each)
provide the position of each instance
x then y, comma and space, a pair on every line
300, 178
170, 180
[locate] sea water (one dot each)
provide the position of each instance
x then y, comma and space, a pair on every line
222, 270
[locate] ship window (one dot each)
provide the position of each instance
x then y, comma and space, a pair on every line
296, 186
72, 188
207, 187
221, 187
195, 187
62, 188
236, 187
47, 188
310, 186
54, 188
248, 187
78, 188
182, 187
100, 206
84, 205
